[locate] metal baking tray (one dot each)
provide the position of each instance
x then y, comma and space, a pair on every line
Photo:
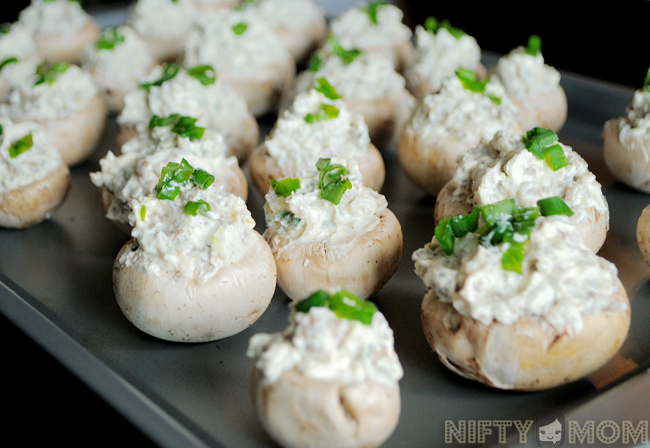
56, 286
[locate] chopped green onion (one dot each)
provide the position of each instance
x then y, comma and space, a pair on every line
432, 25
194, 207
239, 28
204, 73
372, 9
288, 217
534, 45
10, 60
495, 99
173, 176
181, 125
331, 181
555, 157
646, 82
347, 56
169, 72
343, 303
325, 112
554, 206
537, 139
466, 223
286, 186
326, 89
1, 130
46, 72
315, 62
445, 236
470, 81
513, 257
201, 178
110, 37
20, 146
143, 212
493, 213
5, 28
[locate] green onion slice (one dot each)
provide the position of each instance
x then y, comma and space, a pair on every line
109, 38
372, 9
445, 236
554, 206
513, 257
315, 62
194, 207
47, 72
20, 146
204, 73
343, 303
174, 175
347, 56
493, 213
286, 186
555, 157
325, 112
646, 82
201, 178
5, 28
181, 125
432, 25
327, 89
331, 181
143, 212
240, 28
537, 139
169, 72
534, 45
470, 80
9, 60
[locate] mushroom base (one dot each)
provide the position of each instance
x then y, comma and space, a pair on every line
628, 165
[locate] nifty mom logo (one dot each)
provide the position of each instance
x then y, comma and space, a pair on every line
550, 429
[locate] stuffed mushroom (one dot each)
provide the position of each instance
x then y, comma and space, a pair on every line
18, 56
331, 378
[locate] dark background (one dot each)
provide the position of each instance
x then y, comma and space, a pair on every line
47, 403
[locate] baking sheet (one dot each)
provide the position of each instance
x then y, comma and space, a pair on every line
55, 284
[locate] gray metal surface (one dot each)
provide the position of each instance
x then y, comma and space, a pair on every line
55, 284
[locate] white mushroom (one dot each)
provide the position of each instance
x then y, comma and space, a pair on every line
327, 381
195, 269
643, 233
526, 326
504, 169
319, 243
465, 113
318, 125
33, 178
18, 56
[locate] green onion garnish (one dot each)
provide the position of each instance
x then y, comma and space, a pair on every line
554, 206
325, 112
555, 157
175, 175
5, 28
493, 213
20, 146
169, 72
343, 303
239, 28
315, 62
286, 186
201, 178
513, 257
194, 207
204, 73
326, 89
346, 56
445, 236
646, 82
539, 141
534, 45
432, 25
372, 9
46, 72
288, 217
143, 212
331, 181
181, 125
10, 60
470, 81
110, 37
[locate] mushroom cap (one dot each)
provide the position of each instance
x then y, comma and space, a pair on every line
300, 411
546, 109
362, 265
628, 165
30, 204
525, 355
643, 233
263, 167
185, 311
67, 48
593, 229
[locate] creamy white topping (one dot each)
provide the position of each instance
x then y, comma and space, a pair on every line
70, 92
458, 113
216, 106
355, 29
437, 56
524, 74
252, 53
17, 42
32, 165
323, 346
562, 279
207, 5
163, 19
368, 77
505, 169
319, 220
634, 129
297, 145
181, 246
121, 67
289, 19
64, 17
137, 170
